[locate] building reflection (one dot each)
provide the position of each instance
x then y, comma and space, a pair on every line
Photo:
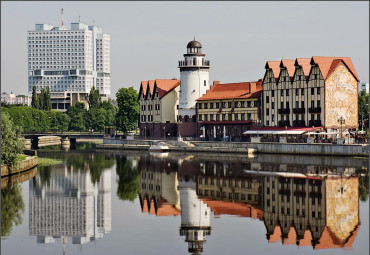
70, 205
299, 204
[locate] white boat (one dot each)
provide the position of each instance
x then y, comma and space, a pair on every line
159, 146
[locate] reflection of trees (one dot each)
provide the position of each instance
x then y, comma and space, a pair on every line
128, 179
12, 208
94, 162
364, 187
45, 174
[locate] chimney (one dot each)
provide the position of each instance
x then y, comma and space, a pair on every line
216, 82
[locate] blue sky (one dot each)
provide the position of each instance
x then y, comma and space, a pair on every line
148, 38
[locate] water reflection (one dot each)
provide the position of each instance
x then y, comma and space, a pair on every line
300, 204
71, 200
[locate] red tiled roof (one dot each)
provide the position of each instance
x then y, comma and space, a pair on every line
165, 86
275, 66
151, 86
233, 91
144, 85
291, 238
307, 238
219, 207
305, 64
325, 64
276, 236
289, 65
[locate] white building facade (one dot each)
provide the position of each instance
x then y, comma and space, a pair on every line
363, 86
14, 99
69, 61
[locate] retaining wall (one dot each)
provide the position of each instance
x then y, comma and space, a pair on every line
24, 165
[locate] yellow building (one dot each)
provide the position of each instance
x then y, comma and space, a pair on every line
311, 92
228, 110
158, 108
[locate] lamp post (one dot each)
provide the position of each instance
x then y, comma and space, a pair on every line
144, 133
341, 120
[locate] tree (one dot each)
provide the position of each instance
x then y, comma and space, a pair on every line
42, 99
94, 98
77, 114
34, 102
128, 109
111, 112
363, 107
11, 142
128, 179
12, 208
47, 100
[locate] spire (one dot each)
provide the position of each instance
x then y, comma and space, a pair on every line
194, 38
62, 25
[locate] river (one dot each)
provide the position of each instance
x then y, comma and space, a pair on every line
111, 202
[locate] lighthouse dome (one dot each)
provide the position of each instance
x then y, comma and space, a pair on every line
194, 44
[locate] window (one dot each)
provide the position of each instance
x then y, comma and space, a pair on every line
211, 117
312, 104
200, 106
318, 91
281, 92
205, 117
223, 116
211, 105
229, 104
236, 116
200, 117
249, 116
267, 111
217, 117
296, 104
223, 104
273, 93
296, 92
287, 92
312, 91
217, 105
302, 104
318, 103
230, 117
281, 105
242, 116
273, 105
205, 105
267, 99
287, 105
272, 117
205, 83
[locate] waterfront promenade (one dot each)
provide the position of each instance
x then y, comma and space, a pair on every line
243, 147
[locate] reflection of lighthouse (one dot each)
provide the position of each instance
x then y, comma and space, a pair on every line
195, 217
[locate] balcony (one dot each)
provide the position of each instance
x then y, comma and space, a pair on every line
284, 111
314, 110
299, 123
283, 123
299, 110
184, 63
315, 123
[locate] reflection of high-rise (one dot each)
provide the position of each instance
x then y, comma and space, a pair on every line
70, 206
195, 217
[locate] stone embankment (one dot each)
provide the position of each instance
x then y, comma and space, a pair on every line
243, 147
24, 165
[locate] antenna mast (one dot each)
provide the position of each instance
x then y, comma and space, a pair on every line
62, 19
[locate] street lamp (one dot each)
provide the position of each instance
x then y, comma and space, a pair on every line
341, 120
145, 133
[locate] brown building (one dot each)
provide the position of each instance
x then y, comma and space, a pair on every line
228, 110
158, 108
310, 92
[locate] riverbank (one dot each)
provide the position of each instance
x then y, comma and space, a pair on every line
243, 147
24, 165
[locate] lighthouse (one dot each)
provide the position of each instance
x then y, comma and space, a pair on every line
195, 217
194, 82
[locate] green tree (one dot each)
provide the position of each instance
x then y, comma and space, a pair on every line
128, 179
42, 99
47, 100
12, 208
364, 187
363, 106
110, 112
96, 119
77, 114
11, 141
94, 98
128, 109
34, 102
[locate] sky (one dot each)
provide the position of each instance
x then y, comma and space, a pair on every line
149, 38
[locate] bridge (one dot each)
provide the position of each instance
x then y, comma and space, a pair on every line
40, 139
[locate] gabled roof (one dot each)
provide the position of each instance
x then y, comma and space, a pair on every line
233, 91
289, 65
325, 65
276, 236
143, 87
165, 86
275, 67
329, 240
291, 237
305, 64
150, 88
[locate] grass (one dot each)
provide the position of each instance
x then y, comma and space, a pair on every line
21, 157
48, 161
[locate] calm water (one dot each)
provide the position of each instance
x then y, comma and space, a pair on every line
141, 203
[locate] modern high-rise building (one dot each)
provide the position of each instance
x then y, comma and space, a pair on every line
69, 61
